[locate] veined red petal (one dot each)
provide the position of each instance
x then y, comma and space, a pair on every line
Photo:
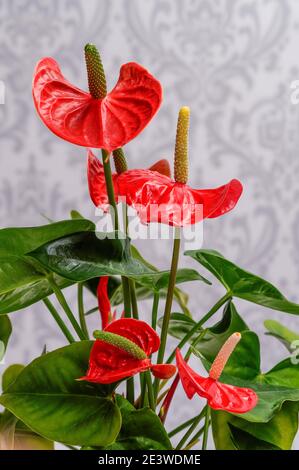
103, 300
163, 371
75, 116
220, 396
157, 198
137, 331
108, 364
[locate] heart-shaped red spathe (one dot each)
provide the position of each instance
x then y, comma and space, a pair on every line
108, 123
220, 396
97, 184
157, 198
108, 363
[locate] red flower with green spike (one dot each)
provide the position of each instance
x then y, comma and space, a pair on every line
220, 396
96, 119
122, 350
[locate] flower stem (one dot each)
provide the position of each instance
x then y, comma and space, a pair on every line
133, 299
169, 299
182, 426
199, 324
81, 309
206, 428
150, 390
194, 439
61, 299
59, 320
109, 187
191, 429
155, 309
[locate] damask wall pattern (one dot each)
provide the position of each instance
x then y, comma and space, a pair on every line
232, 61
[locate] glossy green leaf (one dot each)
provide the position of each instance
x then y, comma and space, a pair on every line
214, 337
10, 375
22, 280
231, 432
282, 333
17, 298
87, 255
5, 332
21, 240
50, 400
243, 284
141, 430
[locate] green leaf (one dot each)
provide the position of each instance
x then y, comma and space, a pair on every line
231, 432
214, 337
87, 255
10, 374
183, 275
23, 281
5, 332
17, 298
50, 400
243, 284
281, 332
22, 240
141, 430
14, 435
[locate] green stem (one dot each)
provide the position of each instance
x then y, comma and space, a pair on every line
130, 390
168, 303
191, 429
82, 318
182, 426
155, 309
142, 389
126, 296
109, 187
199, 324
150, 390
59, 320
61, 299
133, 299
194, 439
206, 428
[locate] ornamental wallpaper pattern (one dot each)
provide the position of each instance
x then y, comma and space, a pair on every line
233, 62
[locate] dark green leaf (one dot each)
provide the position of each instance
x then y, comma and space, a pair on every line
231, 432
282, 333
214, 337
19, 241
241, 283
141, 430
5, 332
17, 298
10, 374
50, 400
87, 255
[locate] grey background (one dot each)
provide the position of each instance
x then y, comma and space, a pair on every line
232, 62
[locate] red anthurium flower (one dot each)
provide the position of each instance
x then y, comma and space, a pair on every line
157, 198
220, 396
91, 119
96, 179
123, 350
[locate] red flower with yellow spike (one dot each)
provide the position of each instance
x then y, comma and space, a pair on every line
220, 396
96, 119
122, 350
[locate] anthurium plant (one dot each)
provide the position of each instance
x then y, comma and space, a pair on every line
114, 388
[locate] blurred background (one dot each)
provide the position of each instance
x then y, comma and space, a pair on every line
233, 63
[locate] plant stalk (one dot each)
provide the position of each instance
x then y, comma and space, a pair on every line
59, 320
82, 318
206, 428
191, 429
